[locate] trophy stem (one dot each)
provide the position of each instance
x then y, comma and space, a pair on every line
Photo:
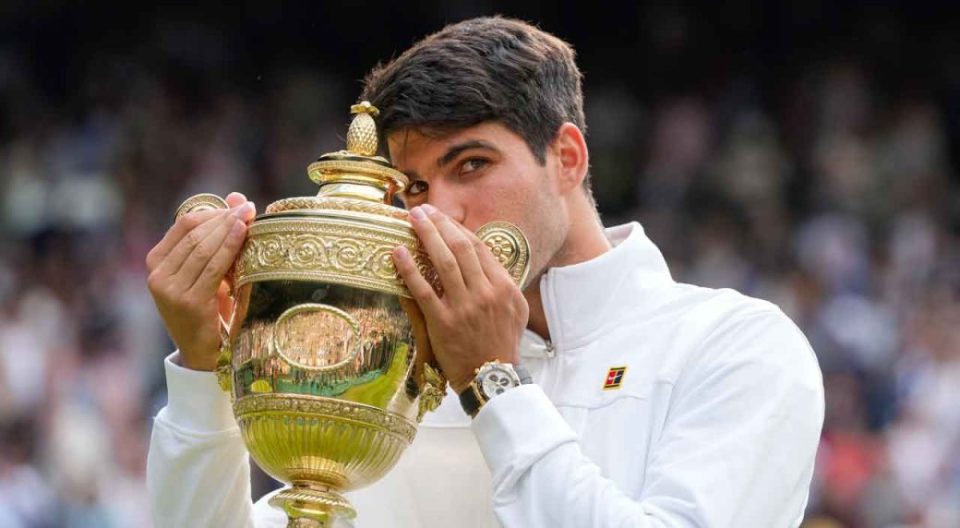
306, 522
312, 505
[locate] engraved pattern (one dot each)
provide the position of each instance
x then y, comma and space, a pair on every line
510, 246
325, 496
293, 405
341, 252
356, 253
433, 388
200, 202
362, 135
337, 204
503, 249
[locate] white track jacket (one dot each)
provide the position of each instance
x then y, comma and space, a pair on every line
715, 421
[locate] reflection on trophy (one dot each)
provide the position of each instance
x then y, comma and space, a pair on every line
328, 372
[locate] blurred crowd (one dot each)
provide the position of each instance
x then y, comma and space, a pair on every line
825, 192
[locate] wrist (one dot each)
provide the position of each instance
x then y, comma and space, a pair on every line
492, 379
462, 382
202, 364
461, 386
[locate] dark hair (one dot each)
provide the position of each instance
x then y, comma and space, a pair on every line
483, 69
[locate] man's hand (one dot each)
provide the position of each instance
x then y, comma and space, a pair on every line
482, 312
187, 270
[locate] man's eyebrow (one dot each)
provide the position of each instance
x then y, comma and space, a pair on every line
455, 150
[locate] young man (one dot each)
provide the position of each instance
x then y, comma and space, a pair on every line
652, 403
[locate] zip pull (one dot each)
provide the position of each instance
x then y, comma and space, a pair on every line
551, 350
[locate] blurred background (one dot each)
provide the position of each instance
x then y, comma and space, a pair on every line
804, 152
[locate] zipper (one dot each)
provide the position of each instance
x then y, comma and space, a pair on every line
553, 362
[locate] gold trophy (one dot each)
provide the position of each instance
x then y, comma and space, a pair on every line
328, 369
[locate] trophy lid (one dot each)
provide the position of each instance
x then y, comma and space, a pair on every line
356, 173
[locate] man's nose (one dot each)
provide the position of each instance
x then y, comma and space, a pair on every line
448, 203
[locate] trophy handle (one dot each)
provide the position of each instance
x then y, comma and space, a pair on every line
206, 202
509, 246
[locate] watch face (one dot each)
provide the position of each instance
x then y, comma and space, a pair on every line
496, 379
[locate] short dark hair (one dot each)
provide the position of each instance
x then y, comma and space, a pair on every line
483, 69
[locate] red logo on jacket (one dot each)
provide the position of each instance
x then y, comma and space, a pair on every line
614, 378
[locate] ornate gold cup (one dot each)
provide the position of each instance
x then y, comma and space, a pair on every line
328, 369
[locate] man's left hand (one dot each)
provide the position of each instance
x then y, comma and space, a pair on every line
482, 312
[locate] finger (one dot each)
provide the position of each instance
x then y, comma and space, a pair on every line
211, 276
443, 259
178, 255
249, 213
235, 199
189, 243
461, 247
419, 288
203, 253
492, 268
177, 231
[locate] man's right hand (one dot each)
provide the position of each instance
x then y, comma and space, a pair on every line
186, 277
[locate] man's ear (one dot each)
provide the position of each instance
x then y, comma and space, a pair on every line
570, 148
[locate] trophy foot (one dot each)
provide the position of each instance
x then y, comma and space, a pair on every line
312, 505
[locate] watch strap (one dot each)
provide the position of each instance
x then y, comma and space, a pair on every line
470, 401
525, 378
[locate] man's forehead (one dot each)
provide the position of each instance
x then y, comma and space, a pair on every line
408, 140
412, 143
405, 138
410, 147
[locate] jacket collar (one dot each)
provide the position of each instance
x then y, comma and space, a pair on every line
583, 300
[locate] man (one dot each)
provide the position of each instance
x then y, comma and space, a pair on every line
653, 403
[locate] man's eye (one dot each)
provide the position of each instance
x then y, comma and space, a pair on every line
416, 187
472, 164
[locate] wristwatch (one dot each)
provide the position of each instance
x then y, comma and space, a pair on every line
491, 379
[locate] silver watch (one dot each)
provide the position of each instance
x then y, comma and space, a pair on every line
492, 379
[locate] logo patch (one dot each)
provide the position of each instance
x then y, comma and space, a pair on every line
614, 378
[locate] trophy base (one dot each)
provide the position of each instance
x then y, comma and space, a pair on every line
312, 505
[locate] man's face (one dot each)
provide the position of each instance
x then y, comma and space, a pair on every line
481, 174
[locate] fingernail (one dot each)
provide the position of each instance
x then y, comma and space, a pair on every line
243, 210
402, 252
429, 209
417, 213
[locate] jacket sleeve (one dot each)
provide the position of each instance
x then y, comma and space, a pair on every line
737, 448
198, 473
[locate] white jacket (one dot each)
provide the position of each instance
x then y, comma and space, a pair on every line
716, 421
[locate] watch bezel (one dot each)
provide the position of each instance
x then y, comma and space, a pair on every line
487, 378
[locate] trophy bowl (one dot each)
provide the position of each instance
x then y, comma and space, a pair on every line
326, 357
